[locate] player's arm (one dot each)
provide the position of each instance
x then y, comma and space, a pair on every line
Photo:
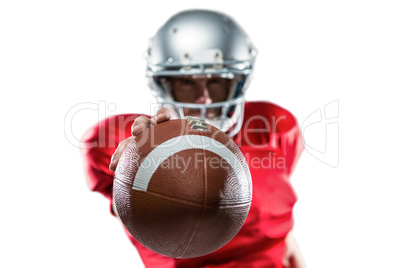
293, 256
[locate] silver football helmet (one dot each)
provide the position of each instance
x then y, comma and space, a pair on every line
202, 44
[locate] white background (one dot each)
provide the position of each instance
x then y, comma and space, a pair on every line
57, 54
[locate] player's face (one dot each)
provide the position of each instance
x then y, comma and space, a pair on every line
201, 90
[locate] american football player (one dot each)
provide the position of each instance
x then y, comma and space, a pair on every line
200, 63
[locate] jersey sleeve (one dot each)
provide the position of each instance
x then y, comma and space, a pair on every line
100, 142
271, 141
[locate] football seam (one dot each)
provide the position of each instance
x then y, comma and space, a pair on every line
185, 248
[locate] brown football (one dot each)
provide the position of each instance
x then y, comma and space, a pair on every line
182, 188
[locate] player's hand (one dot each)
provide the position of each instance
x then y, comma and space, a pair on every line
140, 124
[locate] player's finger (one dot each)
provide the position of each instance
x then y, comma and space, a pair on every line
165, 114
140, 124
117, 154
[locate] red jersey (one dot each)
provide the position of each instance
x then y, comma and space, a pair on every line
270, 141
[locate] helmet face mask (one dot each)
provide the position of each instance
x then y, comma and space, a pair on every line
200, 62
226, 116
